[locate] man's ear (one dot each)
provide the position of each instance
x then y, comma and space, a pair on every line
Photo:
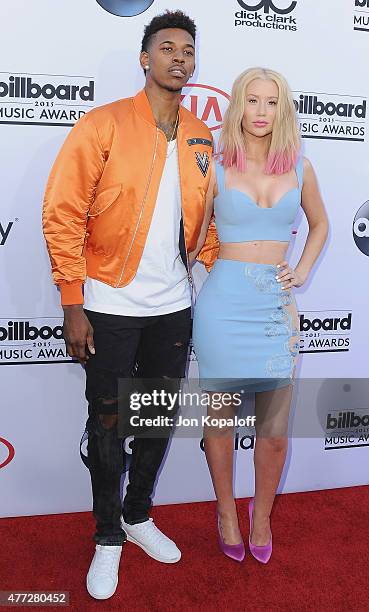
144, 59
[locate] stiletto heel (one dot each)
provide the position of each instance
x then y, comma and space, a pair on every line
261, 553
234, 551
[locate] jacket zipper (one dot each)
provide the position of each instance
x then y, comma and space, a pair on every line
142, 207
189, 274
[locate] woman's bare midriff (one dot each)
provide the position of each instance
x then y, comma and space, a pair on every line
258, 251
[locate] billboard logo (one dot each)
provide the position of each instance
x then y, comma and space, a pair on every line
44, 99
347, 429
32, 340
331, 116
325, 332
361, 17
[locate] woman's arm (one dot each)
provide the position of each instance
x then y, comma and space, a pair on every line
209, 207
313, 207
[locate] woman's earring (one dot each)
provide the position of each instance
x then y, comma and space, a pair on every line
147, 67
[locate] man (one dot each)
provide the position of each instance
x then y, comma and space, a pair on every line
123, 209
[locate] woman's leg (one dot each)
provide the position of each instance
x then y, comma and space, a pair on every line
272, 411
219, 449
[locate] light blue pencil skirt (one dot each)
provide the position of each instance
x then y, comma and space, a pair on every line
245, 329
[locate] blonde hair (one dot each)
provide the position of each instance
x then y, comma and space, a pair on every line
285, 145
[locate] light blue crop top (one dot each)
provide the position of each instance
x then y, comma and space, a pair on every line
239, 219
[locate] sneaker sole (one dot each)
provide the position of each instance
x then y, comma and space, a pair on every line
152, 555
95, 596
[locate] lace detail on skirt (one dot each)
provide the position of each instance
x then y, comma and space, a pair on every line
283, 321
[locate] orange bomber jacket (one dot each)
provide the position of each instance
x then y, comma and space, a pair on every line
102, 190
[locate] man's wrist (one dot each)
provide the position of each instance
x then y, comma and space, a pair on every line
72, 307
71, 293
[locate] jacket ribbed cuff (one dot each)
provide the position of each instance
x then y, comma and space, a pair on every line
71, 293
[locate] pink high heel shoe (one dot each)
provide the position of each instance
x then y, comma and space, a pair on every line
261, 553
234, 551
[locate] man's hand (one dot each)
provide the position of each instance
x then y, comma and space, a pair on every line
78, 333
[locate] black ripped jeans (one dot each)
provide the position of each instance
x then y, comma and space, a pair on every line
143, 347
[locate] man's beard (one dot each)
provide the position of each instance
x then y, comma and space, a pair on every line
173, 89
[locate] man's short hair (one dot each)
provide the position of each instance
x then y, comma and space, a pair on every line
169, 19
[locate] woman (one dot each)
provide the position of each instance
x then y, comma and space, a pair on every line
246, 326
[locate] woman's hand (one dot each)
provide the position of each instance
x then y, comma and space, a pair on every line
288, 276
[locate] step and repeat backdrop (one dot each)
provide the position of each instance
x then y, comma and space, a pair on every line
58, 62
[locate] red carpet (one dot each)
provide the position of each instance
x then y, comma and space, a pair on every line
320, 559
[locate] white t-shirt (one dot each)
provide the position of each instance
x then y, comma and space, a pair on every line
161, 283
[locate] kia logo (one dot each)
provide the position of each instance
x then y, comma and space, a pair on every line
125, 8
10, 452
267, 5
361, 228
207, 103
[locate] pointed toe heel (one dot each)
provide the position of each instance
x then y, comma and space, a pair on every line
233, 551
261, 553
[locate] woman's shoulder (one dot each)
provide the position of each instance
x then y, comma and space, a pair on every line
308, 168
308, 172
307, 165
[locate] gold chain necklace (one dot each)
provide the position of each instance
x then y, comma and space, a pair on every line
174, 129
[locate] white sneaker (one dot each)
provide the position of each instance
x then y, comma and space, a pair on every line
102, 577
152, 541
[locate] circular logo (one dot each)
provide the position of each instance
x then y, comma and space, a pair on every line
127, 452
206, 102
268, 5
125, 8
361, 228
127, 445
10, 452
